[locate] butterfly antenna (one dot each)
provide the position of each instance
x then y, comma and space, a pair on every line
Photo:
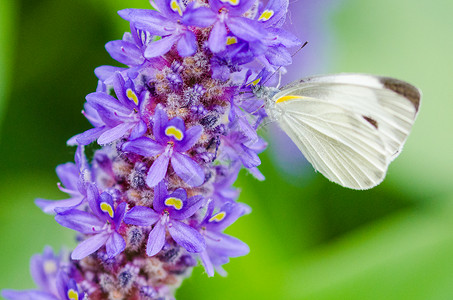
278, 69
301, 47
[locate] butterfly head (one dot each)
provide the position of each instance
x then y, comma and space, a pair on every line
265, 93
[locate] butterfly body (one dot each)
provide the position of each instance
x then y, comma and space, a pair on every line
348, 126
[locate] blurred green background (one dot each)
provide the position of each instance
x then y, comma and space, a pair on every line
309, 239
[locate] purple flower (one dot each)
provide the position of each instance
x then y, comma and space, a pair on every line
114, 118
130, 49
169, 210
53, 283
171, 141
269, 47
223, 190
226, 15
219, 246
103, 225
229, 60
73, 177
169, 23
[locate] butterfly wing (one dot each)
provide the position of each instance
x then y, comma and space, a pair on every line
349, 126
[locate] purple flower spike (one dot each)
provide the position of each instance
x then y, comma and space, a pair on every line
103, 225
175, 126
169, 212
172, 140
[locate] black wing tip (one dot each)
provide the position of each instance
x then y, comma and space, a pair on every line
404, 89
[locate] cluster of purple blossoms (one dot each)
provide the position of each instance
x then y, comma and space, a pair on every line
175, 127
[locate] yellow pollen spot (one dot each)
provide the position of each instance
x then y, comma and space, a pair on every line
218, 217
176, 7
105, 207
73, 295
174, 132
232, 2
254, 82
289, 97
132, 96
266, 15
231, 40
50, 267
175, 202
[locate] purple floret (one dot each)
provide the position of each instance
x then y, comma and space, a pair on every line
168, 213
171, 141
102, 225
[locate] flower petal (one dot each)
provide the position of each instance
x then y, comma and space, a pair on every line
27, 295
88, 136
187, 169
192, 205
207, 264
158, 170
89, 246
200, 17
62, 281
187, 44
247, 156
186, 236
141, 216
166, 8
256, 173
160, 123
278, 9
225, 245
156, 238
125, 52
115, 133
105, 73
246, 29
161, 46
235, 8
149, 20
278, 56
39, 274
119, 214
218, 37
192, 136
80, 221
144, 146
48, 206
107, 107
115, 244
139, 130
69, 175
160, 194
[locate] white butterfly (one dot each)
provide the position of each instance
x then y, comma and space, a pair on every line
348, 126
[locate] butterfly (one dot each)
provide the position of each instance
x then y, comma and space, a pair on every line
350, 127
